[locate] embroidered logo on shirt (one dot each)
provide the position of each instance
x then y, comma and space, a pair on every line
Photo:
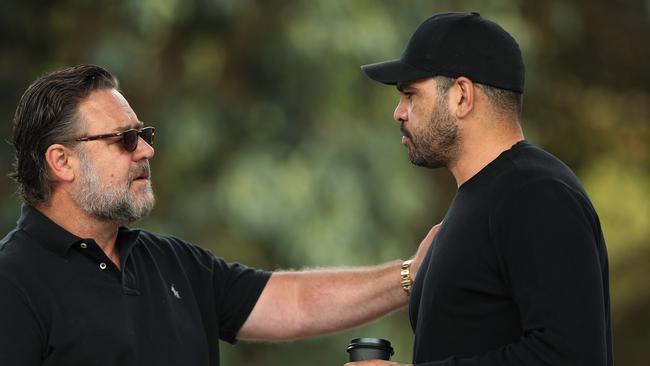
175, 292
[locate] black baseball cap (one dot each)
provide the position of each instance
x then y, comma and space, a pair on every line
454, 45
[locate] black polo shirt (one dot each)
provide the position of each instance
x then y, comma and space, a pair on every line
63, 302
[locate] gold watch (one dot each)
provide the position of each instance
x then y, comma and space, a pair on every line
406, 281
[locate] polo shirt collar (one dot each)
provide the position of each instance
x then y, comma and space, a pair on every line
57, 239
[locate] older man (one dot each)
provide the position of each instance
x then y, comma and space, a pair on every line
80, 288
518, 273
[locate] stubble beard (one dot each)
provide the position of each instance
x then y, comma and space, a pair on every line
437, 143
113, 203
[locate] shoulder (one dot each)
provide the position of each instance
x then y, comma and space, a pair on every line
163, 242
544, 203
18, 252
530, 163
195, 260
19, 266
536, 183
527, 168
10, 244
179, 253
173, 247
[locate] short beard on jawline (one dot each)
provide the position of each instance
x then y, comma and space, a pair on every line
438, 142
117, 204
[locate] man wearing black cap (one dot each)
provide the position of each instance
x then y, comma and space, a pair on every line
518, 272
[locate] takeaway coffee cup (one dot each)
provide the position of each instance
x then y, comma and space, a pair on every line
361, 349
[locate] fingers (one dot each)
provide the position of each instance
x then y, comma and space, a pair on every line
432, 233
423, 248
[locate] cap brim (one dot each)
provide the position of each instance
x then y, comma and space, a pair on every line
393, 72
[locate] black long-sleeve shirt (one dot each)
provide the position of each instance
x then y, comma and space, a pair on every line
517, 274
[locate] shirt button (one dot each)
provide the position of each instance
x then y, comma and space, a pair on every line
83, 245
102, 265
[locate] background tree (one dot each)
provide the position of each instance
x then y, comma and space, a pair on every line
273, 149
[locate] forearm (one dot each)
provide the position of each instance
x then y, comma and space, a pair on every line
341, 299
310, 303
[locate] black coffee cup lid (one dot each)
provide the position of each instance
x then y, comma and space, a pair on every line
371, 343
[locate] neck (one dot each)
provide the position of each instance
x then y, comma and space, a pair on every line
70, 217
477, 151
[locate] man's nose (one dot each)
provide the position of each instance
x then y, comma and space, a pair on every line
401, 113
143, 151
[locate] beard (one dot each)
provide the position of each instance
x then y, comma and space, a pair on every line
436, 143
114, 203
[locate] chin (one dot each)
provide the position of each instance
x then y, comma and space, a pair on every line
427, 162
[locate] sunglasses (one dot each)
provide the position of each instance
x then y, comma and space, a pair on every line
129, 139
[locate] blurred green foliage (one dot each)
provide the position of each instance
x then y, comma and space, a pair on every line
273, 149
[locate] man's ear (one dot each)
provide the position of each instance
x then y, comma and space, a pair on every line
59, 161
462, 97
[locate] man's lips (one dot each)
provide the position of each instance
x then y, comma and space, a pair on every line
405, 134
143, 173
143, 176
144, 179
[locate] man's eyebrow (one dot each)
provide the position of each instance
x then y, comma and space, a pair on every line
403, 85
140, 124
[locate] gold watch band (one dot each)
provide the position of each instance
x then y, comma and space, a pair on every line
405, 274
